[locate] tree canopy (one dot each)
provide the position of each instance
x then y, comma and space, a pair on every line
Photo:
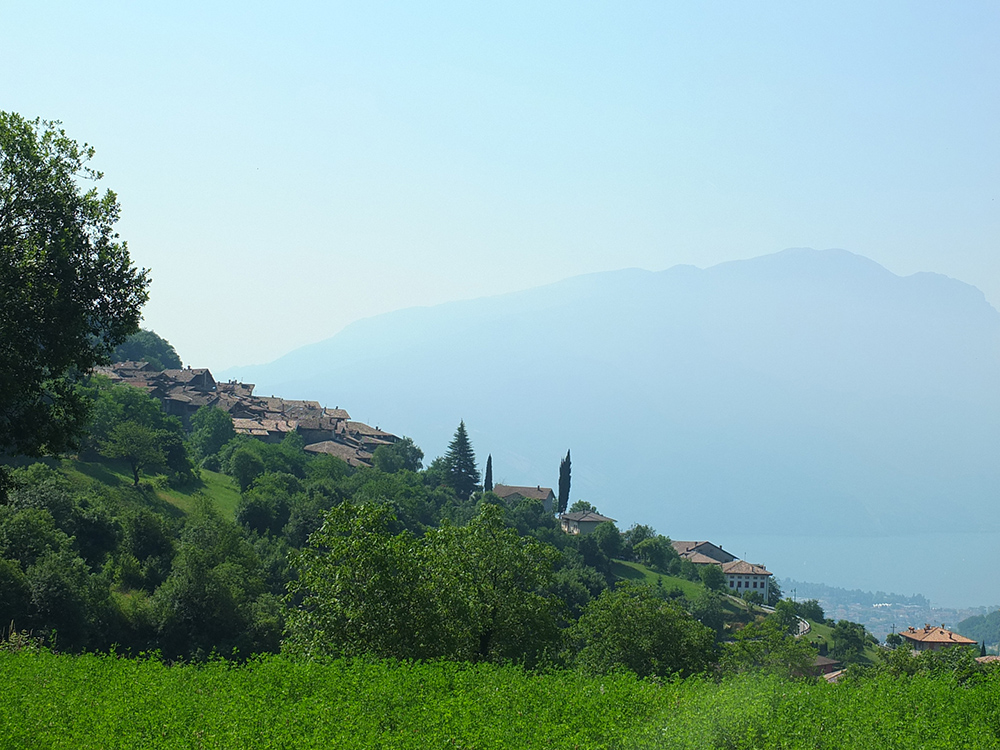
146, 345
70, 291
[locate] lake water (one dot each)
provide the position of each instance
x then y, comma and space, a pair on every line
950, 569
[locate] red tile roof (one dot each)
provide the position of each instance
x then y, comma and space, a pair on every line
934, 634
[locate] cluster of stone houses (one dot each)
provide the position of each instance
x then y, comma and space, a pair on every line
324, 430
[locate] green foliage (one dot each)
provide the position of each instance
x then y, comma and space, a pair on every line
766, 646
146, 345
981, 627
657, 553
488, 479
809, 610
849, 640
786, 617
215, 587
401, 455
477, 593
70, 291
137, 445
707, 607
636, 534
712, 577
631, 628
286, 457
245, 465
211, 428
462, 475
273, 702
956, 663
266, 506
528, 516
582, 505
609, 539
774, 593
362, 591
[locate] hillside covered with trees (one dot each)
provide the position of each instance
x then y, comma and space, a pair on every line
203, 554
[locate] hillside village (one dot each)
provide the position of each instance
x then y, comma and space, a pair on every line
182, 392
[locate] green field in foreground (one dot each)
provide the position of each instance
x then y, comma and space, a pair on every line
89, 701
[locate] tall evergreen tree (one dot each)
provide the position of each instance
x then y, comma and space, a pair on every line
488, 482
460, 460
564, 466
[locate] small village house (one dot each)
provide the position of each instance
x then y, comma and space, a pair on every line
513, 494
702, 553
933, 638
741, 576
582, 521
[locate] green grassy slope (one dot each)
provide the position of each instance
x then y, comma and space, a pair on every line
220, 489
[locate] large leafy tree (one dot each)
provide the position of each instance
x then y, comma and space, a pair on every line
70, 291
403, 454
477, 593
460, 460
137, 445
630, 627
766, 646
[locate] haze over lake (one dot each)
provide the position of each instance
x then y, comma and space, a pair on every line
805, 395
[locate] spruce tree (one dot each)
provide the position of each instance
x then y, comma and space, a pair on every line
564, 483
488, 481
460, 461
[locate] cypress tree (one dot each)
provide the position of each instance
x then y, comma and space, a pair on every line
488, 481
460, 460
564, 466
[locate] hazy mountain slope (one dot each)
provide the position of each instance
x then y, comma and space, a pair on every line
801, 392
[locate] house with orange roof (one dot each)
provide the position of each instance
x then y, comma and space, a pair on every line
933, 638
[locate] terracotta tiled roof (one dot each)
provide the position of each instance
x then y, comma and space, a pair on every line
934, 634
534, 493
742, 567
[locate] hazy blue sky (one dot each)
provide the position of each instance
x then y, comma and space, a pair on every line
285, 170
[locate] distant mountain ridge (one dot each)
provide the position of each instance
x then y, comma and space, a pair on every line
800, 392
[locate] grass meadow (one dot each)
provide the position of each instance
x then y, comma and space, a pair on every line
91, 701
